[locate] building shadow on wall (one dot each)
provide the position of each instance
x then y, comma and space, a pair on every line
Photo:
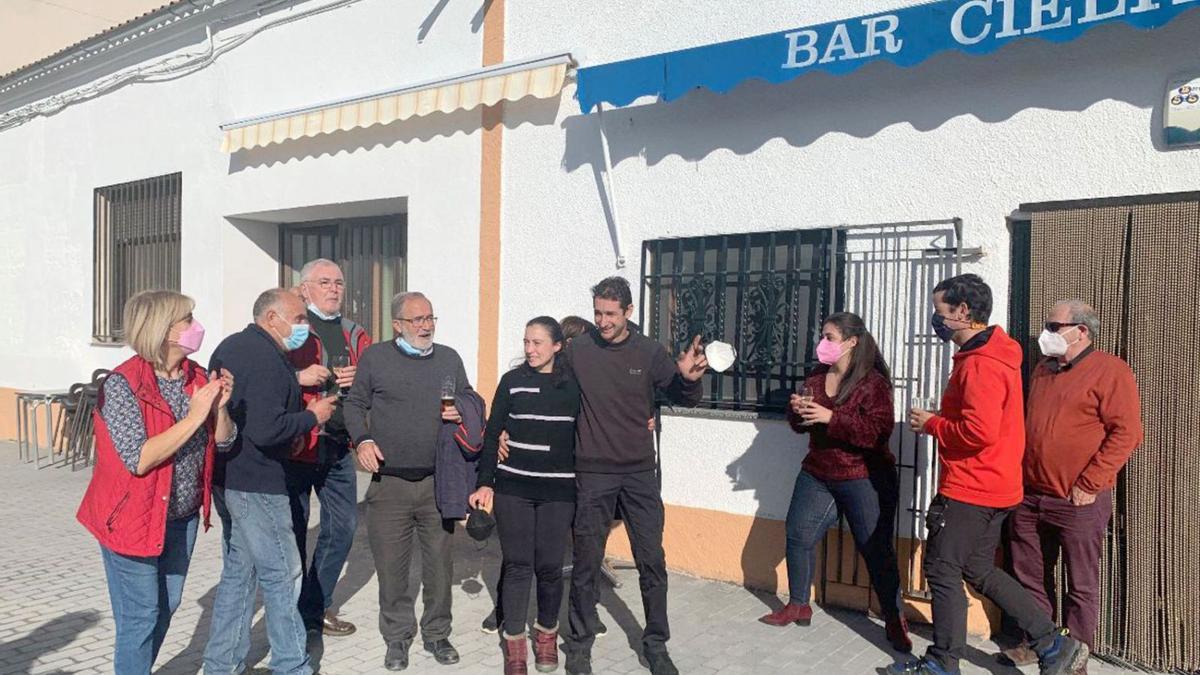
879, 95
768, 468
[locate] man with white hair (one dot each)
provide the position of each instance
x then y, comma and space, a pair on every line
394, 413
325, 364
1083, 420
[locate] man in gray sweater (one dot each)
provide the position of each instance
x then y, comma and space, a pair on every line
394, 414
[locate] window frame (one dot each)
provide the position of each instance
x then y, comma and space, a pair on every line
772, 381
137, 237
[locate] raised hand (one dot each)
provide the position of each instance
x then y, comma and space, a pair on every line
200, 406
226, 379
313, 376
692, 362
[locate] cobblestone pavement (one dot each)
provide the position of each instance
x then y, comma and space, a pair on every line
54, 612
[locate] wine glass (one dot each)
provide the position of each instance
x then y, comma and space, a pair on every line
449, 386
338, 363
807, 394
926, 403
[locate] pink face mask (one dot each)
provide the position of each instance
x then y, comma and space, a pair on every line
191, 338
829, 352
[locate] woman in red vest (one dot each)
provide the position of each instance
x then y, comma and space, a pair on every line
159, 419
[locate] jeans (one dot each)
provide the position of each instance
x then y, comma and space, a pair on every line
961, 545
1038, 529
258, 543
640, 499
399, 511
336, 485
533, 538
145, 592
869, 506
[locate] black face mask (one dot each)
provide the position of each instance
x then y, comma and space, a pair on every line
943, 331
480, 525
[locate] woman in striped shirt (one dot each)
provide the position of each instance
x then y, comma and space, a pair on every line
533, 490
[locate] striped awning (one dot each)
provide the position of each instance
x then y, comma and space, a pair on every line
540, 77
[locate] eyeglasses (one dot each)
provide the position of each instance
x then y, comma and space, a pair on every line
1055, 326
419, 320
326, 284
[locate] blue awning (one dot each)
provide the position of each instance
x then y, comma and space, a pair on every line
905, 37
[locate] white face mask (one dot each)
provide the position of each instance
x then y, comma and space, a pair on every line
1054, 344
328, 317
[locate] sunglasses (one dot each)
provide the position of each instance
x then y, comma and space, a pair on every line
1055, 326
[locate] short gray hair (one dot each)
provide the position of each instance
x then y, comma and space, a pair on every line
268, 300
313, 264
401, 299
1083, 313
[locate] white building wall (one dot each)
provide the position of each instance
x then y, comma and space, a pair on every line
956, 137
50, 166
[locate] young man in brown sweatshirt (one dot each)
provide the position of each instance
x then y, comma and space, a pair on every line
1082, 422
618, 373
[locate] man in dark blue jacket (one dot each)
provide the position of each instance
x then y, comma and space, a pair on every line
250, 488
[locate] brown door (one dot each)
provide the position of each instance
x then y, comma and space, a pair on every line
1137, 261
371, 253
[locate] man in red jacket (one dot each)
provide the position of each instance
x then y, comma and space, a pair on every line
325, 364
980, 431
1083, 422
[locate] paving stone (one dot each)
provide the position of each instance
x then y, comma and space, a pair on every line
55, 617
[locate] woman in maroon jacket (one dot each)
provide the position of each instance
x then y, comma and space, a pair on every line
848, 414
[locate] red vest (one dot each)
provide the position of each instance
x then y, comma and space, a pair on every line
125, 512
313, 352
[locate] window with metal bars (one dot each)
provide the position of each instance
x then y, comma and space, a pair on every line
371, 252
136, 236
764, 293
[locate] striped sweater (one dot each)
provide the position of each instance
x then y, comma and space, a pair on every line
540, 420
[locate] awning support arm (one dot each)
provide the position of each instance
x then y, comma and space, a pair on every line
618, 245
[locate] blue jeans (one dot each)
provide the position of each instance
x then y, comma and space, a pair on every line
145, 592
869, 505
336, 485
258, 543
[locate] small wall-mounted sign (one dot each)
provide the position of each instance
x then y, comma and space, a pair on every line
1182, 113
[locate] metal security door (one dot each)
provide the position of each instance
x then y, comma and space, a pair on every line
888, 273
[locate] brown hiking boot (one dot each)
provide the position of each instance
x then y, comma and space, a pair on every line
516, 655
1021, 655
801, 615
545, 649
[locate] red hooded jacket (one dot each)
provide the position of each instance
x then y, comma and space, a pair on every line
981, 426
125, 512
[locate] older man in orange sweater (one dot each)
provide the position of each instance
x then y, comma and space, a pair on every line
1083, 420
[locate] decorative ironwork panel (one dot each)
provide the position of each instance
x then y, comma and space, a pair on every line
764, 293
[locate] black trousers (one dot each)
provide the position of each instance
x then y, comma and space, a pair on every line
597, 495
533, 538
399, 512
961, 545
